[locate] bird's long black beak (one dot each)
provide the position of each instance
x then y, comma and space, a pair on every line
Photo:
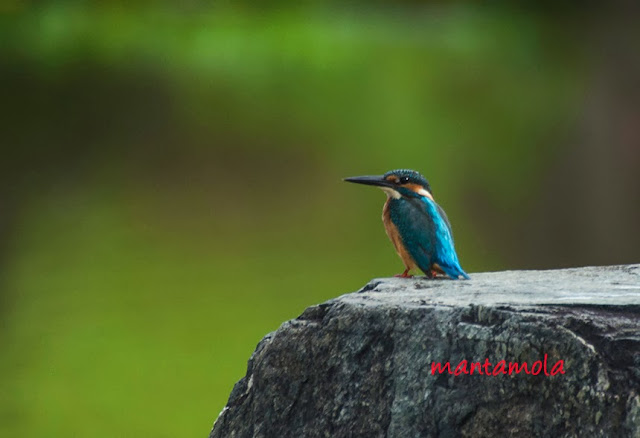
369, 180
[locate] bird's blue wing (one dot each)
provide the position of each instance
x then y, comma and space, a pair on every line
426, 234
417, 231
446, 256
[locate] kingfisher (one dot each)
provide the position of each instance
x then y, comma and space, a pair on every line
417, 226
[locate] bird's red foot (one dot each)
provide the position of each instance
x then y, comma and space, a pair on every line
405, 274
434, 274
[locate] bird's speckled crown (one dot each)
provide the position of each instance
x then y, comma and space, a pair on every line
413, 177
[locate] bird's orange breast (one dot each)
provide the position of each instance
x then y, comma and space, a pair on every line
394, 236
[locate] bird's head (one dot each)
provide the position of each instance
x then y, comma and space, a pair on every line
397, 183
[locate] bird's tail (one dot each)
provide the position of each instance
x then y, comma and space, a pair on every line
454, 272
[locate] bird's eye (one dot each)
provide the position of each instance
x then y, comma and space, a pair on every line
404, 180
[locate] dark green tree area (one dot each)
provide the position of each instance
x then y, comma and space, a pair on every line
170, 180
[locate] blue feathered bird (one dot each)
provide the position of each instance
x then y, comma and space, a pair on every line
415, 223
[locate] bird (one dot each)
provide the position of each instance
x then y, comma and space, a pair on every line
416, 225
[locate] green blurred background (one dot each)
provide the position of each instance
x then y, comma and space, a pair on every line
170, 179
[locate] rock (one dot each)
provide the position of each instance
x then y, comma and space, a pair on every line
361, 365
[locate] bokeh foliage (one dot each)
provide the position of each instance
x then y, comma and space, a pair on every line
171, 182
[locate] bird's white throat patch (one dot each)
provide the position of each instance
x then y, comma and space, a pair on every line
391, 193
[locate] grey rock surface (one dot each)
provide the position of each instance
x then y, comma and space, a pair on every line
361, 365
